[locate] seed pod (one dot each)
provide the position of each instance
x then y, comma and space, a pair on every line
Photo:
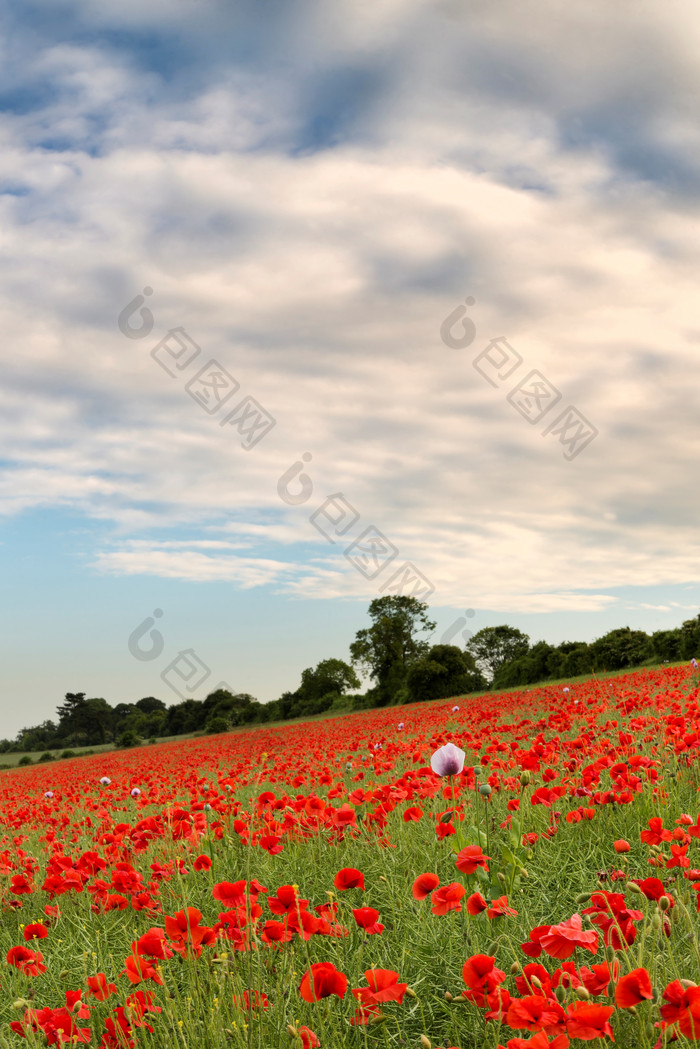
485, 789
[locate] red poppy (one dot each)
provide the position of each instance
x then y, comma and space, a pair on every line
588, 1020
621, 845
137, 969
534, 1013
448, 898
349, 878
308, 1038
99, 987
322, 980
367, 919
560, 941
202, 863
499, 908
35, 931
476, 903
470, 858
383, 986
286, 901
424, 885
27, 961
153, 945
633, 988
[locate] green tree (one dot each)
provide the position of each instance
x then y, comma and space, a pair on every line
621, 648
388, 648
149, 705
444, 671
330, 675
494, 646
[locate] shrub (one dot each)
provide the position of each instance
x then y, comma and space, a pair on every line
46, 756
128, 739
68, 754
25, 760
216, 724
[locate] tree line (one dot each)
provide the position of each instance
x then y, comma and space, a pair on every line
393, 652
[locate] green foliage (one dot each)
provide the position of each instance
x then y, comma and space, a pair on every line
494, 646
444, 671
25, 760
129, 739
388, 648
46, 756
216, 724
621, 648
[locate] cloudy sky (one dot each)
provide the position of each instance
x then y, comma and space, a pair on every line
334, 210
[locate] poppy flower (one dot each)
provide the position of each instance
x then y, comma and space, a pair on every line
448, 760
383, 986
476, 903
202, 863
349, 878
152, 944
35, 931
321, 981
534, 1013
480, 973
137, 968
621, 845
309, 1040
560, 941
186, 934
27, 961
424, 885
470, 858
99, 987
499, 908
588, 1020
634, 987
366, 918
447, 898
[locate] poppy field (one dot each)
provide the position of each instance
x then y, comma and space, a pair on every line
501, 871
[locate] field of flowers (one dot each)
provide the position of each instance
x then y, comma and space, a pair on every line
514, 870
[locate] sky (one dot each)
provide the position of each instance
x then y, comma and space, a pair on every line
306, 303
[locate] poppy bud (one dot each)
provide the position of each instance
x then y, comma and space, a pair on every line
448, 996
425, 1042
687, 983
664, 903
525, 777
501, 877
633, 887
536, 982
582, 992
524, 873
583, 897
410, 993
485, 789
21, 1003
656, 921
64, 974
293, 1031
378, 1019
515, 968
610, 953
560, 994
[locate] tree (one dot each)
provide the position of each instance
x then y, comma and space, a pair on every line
391, 645
70, 715
494, 646
621, 648
149, 704
331, 675
443, 672
527, 669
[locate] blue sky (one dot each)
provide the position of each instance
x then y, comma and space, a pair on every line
310, 191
